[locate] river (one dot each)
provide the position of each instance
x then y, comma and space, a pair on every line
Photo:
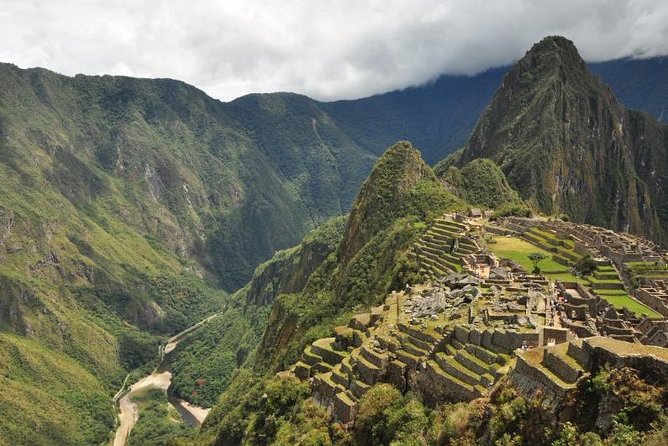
161, 377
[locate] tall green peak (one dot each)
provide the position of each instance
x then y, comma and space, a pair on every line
386, 195
567, 145
481, 182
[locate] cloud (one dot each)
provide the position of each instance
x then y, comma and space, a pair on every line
327, 49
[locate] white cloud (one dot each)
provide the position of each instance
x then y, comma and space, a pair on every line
328, 49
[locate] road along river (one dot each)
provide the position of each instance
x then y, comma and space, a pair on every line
128, 412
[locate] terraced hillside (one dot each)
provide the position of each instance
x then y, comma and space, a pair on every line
442, 248
554, 371
435, 357
605, 281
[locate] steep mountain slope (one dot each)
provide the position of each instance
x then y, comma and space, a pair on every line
438, 117
568, 145
390, 212
639, 83
122, 203
205, 362
223, 184
481, 183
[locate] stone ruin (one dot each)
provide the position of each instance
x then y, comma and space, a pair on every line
475, 320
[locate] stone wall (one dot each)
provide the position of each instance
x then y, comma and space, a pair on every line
654, 302
531, 382
650, 361
560, 335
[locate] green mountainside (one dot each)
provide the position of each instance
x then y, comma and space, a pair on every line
205, 362
568, 146
130, 208
365, 261
127, 207
223, 184
481, 183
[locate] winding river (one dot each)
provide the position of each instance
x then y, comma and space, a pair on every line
128, 412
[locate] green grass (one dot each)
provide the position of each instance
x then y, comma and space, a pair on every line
611, 292
626, 301
568, 277
605, 268
593, 279
517, 249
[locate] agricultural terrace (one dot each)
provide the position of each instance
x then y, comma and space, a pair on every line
605, 281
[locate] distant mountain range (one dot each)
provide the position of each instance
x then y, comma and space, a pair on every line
439, 117
129, 207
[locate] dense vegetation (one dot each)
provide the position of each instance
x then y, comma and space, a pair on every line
158, 423
204, 363
390, 212
279, 411
481, 183
401, 195
127, 206
567, 145
48, 398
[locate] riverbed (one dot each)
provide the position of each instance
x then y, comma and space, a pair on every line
161, 377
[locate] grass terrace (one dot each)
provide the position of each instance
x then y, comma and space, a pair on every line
517, 249
649, 270
620, 299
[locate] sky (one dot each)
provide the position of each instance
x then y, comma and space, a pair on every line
327, 49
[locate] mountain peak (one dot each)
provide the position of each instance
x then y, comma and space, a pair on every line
554, 43
550, 54
569, 146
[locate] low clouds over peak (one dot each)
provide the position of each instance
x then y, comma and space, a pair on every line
323, 48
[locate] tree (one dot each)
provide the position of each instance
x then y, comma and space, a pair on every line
585, 266
536, 258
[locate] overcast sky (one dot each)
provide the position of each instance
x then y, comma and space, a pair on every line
327, 49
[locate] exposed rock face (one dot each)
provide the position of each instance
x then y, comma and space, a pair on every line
569, 146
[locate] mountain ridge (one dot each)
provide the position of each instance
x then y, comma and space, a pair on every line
569, 146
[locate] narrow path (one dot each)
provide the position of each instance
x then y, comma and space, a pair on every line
128, 412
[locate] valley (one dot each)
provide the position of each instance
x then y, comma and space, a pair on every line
263, 271
160, 379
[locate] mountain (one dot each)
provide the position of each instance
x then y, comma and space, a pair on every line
367, 260
439, 116
569, 146
223, 184
127, 208
480, 183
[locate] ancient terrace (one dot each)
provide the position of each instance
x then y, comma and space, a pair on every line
479, 314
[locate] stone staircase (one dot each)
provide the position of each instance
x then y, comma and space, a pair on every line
440, 250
